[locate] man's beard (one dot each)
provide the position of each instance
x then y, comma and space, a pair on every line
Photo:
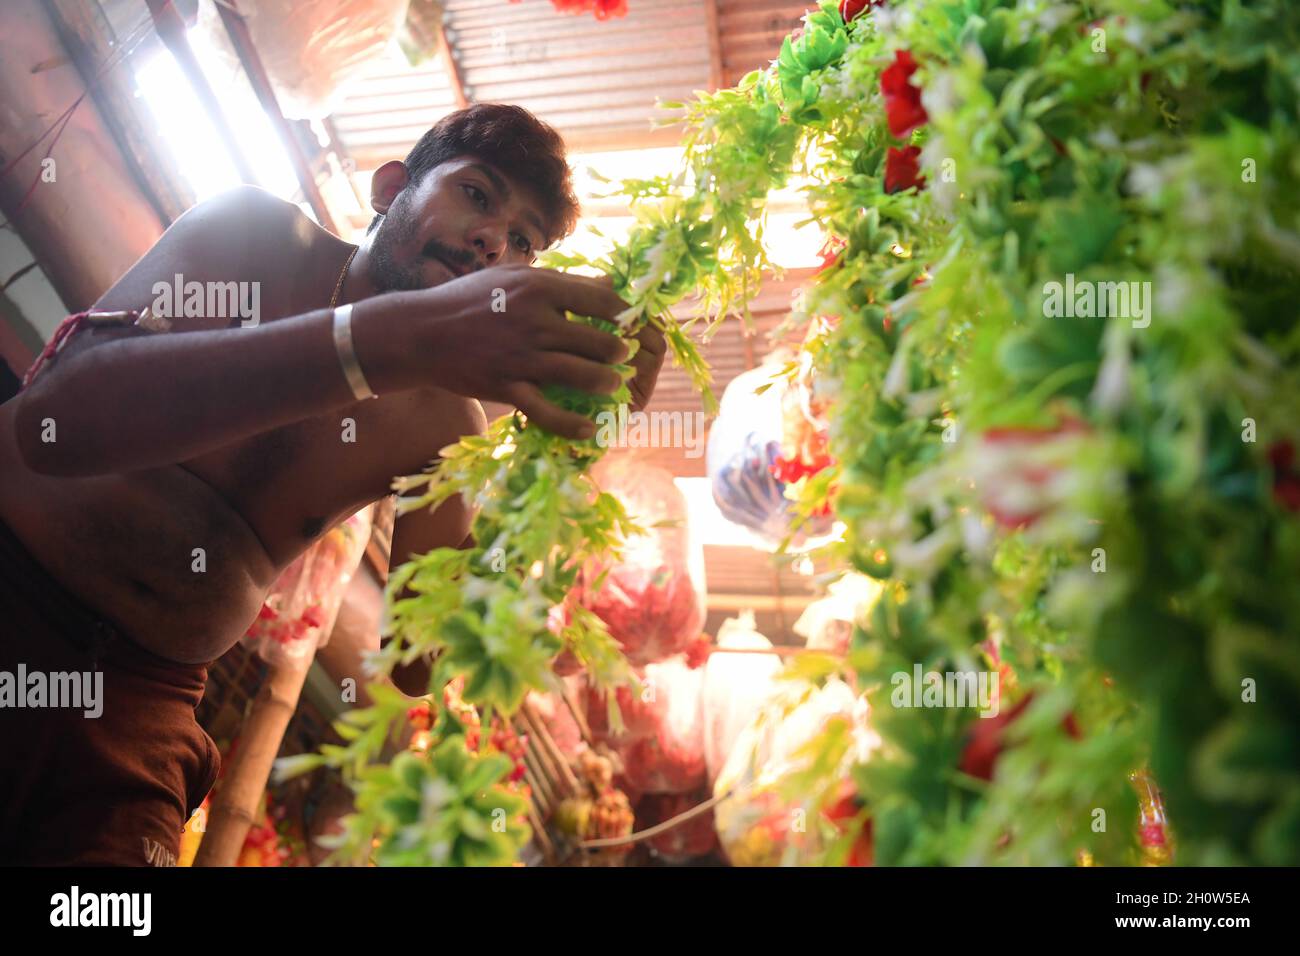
395, 230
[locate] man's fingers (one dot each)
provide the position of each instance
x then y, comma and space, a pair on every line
565, 336
648, 361
561, 368
652, 341
528, 399
584, 295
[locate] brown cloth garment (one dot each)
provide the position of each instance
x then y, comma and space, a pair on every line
114, 790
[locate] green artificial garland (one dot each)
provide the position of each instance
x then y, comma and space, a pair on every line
976, 160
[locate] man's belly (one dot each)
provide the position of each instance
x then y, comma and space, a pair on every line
155, 552
181, 557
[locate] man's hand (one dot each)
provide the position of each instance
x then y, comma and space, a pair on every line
499, 335
648, 360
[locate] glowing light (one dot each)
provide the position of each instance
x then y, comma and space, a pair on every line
184, 126
790, 237
706, 522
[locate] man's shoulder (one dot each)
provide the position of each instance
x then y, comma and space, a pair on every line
248, 212
245, 233
250, 234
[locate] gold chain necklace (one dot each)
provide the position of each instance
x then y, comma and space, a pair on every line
338, 286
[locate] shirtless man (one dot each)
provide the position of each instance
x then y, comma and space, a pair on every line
229, 439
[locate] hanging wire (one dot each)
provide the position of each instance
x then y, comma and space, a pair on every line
134, 39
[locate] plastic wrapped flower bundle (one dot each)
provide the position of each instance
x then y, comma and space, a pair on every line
661, 741
761, 444
651, 598
766, 815
300, 608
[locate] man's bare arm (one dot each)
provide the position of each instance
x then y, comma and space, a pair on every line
145, 401
121, 400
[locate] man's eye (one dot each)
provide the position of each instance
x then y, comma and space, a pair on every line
478, 195
522, 244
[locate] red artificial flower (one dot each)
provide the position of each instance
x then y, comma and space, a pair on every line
1018, 489
850, 10
1286, 479
314, 616
267, 613
697, 651
842, 812
1071, 726
845, 806
790, 470
420, 716
985, 743
830, 252
901, 168
903, 106
603, 9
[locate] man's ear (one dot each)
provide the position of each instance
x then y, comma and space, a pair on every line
388, 180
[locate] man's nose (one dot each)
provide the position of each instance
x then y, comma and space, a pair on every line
490, 243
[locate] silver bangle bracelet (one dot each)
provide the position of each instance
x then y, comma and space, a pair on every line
348, 355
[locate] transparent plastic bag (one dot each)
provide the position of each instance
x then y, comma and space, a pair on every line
311, 49
757, 825
635, 713
668, 756
745, 448
827, 623
653, 599
735, 688
298, 613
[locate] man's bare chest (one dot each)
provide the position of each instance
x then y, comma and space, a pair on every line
293, 483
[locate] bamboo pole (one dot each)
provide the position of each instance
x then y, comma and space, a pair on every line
232, 812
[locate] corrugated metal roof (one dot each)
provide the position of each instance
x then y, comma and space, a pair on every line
595, 81
751, 32
732, 350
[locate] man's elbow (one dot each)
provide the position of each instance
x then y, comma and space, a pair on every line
36, 433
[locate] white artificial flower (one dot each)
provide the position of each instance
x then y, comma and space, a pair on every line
1105, 138
1145, 179
1051, 17
939, 95
1174, 292
896, 378
976, 535
925, 557
1112, 387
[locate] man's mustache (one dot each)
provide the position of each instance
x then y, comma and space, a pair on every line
433, 249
